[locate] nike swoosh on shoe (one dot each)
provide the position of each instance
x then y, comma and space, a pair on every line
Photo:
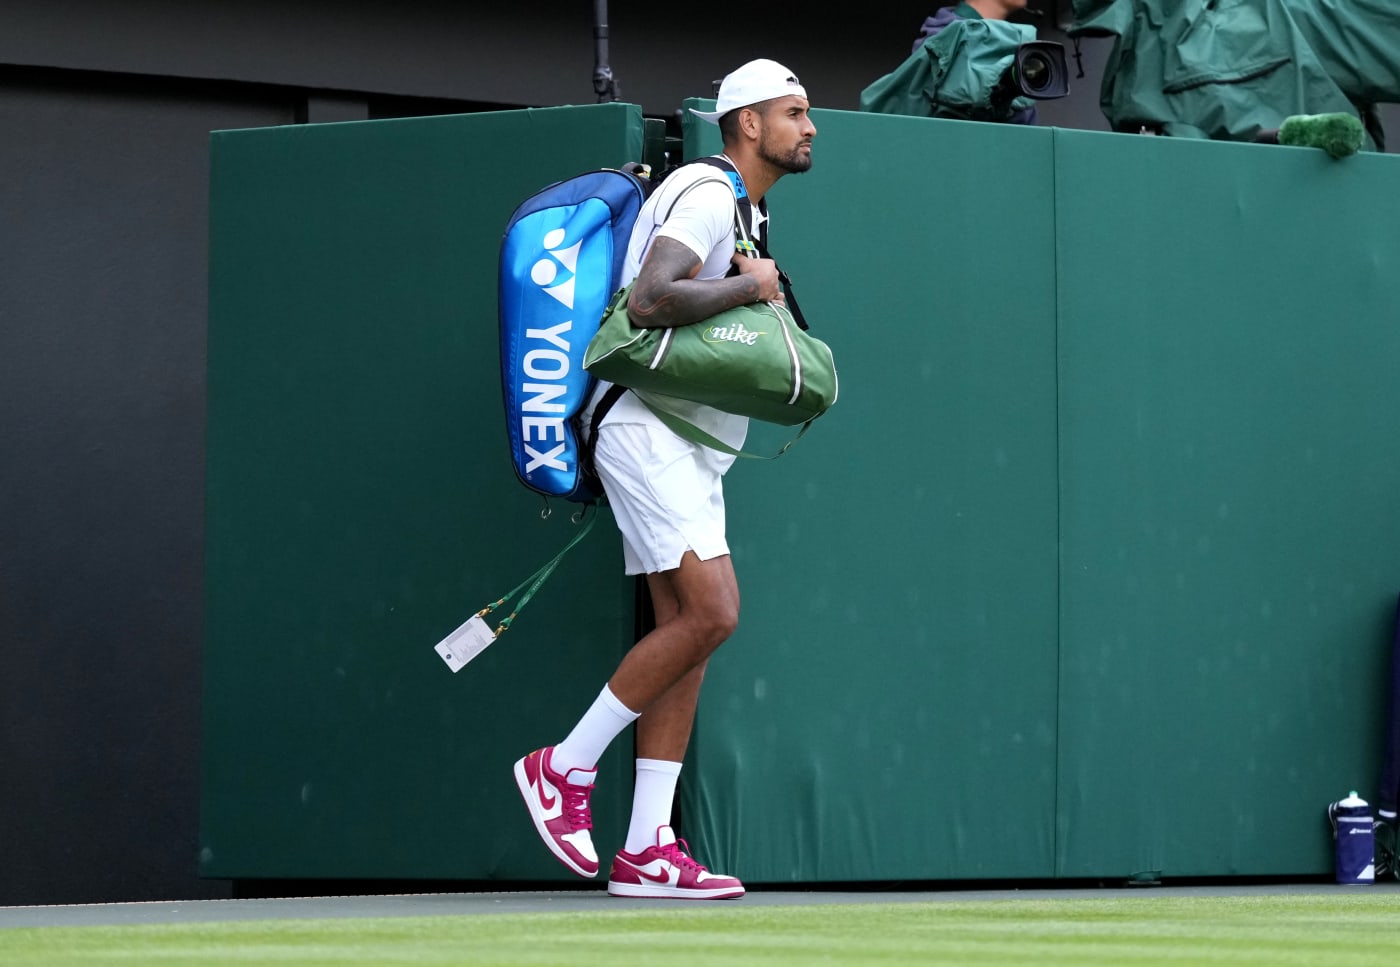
547, 802
665, 874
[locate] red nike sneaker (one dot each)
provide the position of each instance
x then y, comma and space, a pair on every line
559, 806
666, 870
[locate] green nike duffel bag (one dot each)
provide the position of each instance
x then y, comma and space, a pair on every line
753, 361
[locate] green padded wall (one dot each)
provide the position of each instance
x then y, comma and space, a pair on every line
1230, 386
1091, 570
361, 505
888, 702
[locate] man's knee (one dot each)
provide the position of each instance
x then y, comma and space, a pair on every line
708, 625
721, 621
707, 598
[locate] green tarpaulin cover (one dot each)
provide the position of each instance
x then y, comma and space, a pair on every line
1227, 69
953, 74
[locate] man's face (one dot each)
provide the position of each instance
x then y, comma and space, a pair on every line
786, 140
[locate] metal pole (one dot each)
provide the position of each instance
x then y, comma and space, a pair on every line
604, 84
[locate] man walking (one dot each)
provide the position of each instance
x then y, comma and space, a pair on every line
667, 495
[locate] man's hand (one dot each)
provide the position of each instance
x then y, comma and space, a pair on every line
765, 272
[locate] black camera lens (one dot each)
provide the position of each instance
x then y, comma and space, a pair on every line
1035, 72
1040, 70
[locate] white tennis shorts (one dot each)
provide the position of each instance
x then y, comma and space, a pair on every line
666, 494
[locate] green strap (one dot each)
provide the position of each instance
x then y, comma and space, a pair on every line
686, 430
534, 581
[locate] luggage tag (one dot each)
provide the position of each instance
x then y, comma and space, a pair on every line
465, 643
473, 636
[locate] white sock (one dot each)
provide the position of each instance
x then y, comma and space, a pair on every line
602, 723
652, 798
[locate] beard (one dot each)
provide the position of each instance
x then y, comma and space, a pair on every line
792, 161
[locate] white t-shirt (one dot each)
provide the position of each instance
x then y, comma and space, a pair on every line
695, 206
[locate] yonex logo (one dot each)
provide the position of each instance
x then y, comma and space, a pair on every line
544, 272
735, 333
546, 364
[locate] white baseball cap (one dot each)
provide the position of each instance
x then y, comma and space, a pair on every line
758, 80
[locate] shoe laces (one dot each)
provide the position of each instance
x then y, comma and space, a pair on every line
677, 853
575, 807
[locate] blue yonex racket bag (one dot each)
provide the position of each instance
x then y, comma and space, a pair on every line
561, 262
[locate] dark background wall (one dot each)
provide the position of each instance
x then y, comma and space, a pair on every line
105, 114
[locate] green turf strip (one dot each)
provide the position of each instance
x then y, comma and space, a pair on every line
1355, 929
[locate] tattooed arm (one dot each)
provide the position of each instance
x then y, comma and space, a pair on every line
667, 293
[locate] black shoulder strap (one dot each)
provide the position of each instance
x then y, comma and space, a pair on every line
590, 439
741, 199
744, 223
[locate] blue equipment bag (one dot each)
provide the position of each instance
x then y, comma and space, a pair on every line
561, 262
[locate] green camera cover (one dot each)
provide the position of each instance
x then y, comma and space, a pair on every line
954, 74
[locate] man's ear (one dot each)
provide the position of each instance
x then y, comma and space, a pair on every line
750, 122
